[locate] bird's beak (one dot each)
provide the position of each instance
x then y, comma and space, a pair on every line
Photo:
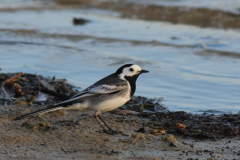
143, 71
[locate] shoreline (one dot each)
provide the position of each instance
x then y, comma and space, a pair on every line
143, 133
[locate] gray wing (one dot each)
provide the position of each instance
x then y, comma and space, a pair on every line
108, 85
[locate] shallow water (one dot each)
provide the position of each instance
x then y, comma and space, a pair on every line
192, 68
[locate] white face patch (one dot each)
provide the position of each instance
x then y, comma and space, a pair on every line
130, 71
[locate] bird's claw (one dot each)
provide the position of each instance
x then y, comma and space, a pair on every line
111, 131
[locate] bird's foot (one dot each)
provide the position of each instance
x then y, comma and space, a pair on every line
110, 131
113, 132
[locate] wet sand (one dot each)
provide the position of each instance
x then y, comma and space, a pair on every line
74, 135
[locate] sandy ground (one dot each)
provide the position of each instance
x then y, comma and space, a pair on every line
75, 135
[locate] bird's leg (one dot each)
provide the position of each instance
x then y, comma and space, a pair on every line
95, 116
110, 129
104, 123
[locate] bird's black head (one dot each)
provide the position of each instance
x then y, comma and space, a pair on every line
130, 72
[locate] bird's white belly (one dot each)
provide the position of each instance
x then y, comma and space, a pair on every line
103, 106
110, 104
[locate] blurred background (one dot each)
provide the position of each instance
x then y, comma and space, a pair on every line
190, 47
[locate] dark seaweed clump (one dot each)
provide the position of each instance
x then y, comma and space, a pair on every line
182, 123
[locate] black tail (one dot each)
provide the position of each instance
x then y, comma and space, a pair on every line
37, 112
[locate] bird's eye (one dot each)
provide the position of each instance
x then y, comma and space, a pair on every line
131, 70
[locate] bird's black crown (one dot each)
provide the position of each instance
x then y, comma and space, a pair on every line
119, 71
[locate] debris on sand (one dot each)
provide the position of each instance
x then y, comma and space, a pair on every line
193, 125
179, 125
45, 126
9, 82
31, 87
138, 136
169, 138
158, 131
59, 113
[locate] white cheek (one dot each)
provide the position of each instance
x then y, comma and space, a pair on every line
129, 73
132, 73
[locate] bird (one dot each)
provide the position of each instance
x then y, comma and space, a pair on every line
107, 94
